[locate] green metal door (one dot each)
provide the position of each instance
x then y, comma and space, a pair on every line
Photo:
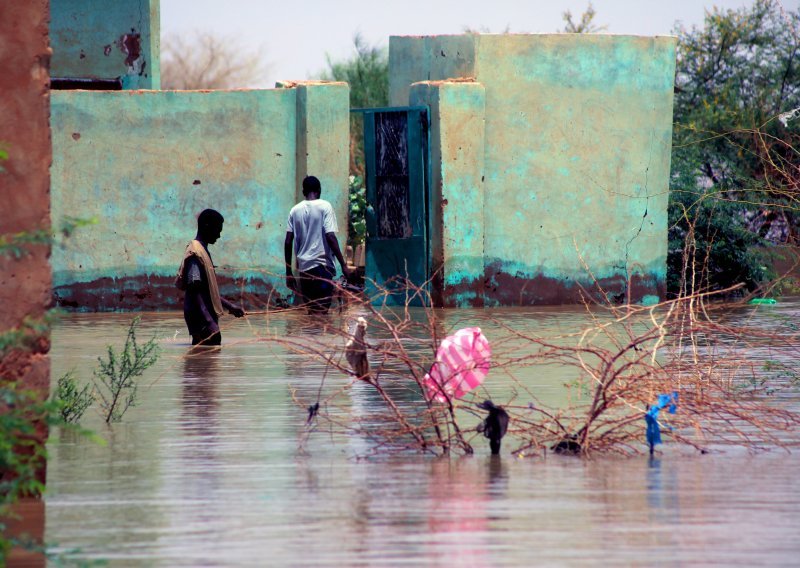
396, 156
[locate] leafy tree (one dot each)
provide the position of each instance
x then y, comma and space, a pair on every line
367, 73
710, 245
735, 166
585, 25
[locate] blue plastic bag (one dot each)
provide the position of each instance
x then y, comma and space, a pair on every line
651, 418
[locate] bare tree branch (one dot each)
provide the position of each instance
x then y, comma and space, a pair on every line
207, 61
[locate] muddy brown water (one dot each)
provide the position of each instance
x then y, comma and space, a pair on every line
205, 471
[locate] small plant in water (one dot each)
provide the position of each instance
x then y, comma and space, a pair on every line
115, 378
72, 401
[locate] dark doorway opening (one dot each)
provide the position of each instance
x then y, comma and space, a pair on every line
85, 84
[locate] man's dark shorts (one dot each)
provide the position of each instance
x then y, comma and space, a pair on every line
205, 339
316, 286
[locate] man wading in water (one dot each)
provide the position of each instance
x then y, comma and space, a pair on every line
202, 304
311, 229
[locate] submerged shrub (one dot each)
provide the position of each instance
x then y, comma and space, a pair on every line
115, 377
72, 401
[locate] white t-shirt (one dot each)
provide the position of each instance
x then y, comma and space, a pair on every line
310, 221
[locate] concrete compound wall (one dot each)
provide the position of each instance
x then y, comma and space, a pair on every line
102, 39
576, 151
457, 230
24, 211
145, 163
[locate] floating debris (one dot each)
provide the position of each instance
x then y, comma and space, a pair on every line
356, 351
495, 425
462, 363
653, 429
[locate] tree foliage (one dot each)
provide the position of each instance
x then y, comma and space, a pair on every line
367, 73
735, 166
585, 25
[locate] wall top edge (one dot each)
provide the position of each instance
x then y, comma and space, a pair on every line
544, 34
293, 84
452, 81
135, 92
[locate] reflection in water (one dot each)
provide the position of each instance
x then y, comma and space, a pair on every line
310, 327
199, 388
198, 449
662, 492
459, 518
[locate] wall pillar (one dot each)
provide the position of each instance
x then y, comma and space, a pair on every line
323, 143
456, 185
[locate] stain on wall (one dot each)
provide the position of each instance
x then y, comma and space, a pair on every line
98, 39
25, 206
145, 163
577, 150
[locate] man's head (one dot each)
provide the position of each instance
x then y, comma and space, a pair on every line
209, 226
311, 185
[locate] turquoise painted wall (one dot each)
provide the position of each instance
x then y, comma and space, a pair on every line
323, 142
577, 150
145, 163
427, 58
457, 195
106, 40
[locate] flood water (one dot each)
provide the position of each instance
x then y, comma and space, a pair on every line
206, 471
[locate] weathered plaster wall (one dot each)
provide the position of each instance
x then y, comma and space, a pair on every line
323, 142
577, 149
427, 58
105, 40
24, 208
457, 198
146, 163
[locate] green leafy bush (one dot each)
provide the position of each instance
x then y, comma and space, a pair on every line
115, 378
733, 161
72, 401
357, 224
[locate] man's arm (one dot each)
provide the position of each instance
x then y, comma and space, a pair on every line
288, 245
234, 309
333, 243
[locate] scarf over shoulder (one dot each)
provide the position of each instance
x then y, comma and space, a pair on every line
196, 248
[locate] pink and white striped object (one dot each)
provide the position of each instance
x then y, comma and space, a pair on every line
462, 363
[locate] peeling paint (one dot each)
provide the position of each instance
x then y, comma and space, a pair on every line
130, 45
100, 40
505, 286
152, 292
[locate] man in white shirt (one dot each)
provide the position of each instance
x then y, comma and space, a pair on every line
311, 233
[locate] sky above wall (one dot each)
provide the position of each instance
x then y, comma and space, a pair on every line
295, 36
